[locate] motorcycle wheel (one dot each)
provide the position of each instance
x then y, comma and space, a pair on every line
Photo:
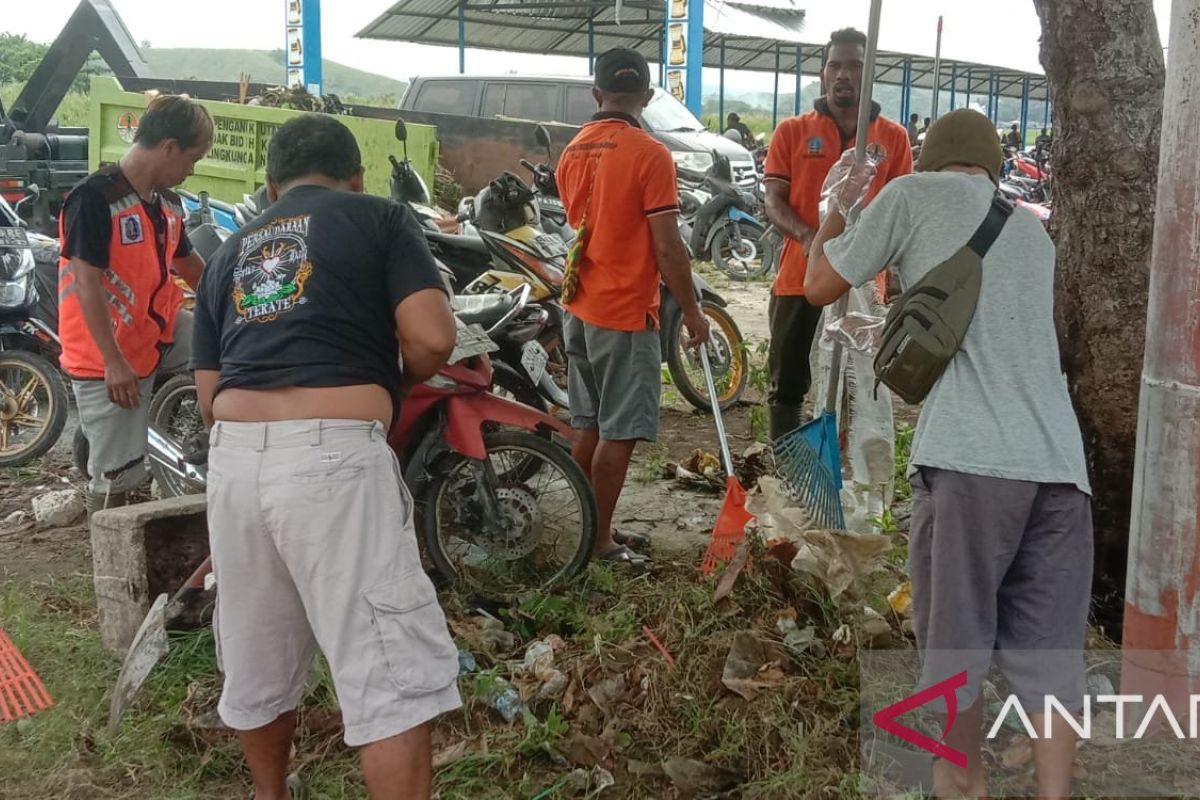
33, 407
510, 384
726, 354
175, 410
80, 452
547, 522
738, 252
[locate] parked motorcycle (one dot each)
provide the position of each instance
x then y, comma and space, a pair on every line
525, 253
33, 393
717, 221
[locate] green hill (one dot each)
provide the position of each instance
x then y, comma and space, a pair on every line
266, 66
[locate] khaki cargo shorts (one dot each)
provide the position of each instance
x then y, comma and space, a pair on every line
313, 546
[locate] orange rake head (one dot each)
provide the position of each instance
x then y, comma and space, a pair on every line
22, 693
730, 529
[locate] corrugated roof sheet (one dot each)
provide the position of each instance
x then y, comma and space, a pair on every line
757, 34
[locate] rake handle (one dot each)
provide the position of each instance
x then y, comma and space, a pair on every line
726, 456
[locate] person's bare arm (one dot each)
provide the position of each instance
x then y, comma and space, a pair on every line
189, 268
822, 284
425, 325
206, 387
122, 382
676, 271
781, 214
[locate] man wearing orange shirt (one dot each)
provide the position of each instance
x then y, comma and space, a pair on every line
803, 149
618, 185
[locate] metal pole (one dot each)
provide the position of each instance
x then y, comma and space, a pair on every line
462, 37
1161, 584
970, 80
775, 100
1046, 109
1025, 111
662, 57
799, 77
906, 91
721, 90
591, 45
937, 73
953, 84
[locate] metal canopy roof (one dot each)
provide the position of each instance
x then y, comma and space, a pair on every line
759, 35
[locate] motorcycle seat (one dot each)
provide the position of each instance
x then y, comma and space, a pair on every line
482, 309
456, 242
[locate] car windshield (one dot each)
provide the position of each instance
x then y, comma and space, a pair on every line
667, 115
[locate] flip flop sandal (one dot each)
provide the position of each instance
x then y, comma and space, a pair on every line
296, 788
621, 555
639, 541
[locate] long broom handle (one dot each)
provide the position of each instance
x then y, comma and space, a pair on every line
861, 136
726, 456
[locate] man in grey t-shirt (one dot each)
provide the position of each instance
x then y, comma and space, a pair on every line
1000, 551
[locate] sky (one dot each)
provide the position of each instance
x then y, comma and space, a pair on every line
984, 31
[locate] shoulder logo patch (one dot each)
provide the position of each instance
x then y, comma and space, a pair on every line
131, 229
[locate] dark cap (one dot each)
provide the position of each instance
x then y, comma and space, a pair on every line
964, 136
622, 71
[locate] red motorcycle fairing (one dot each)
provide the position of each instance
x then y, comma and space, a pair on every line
463, 391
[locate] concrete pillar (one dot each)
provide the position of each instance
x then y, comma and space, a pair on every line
139, 552
1161, 644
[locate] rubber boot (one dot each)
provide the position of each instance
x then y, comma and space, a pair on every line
782, 420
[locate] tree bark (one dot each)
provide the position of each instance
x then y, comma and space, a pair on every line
1104, 62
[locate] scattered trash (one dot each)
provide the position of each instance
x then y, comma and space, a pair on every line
900, 599
701, 462
839, 560
448, 755
843, 634
584, 750
589, 782
493, 636
505, 699
466, 663
755, 462
874, 626
537, 670
694, 778
659, 646
687, 479
730, 575
58, 509
747, 668
798, 641
608, 693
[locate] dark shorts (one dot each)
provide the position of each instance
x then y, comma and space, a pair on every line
1001, 568
614, 380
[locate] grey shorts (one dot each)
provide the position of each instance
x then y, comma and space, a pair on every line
313, 547
1001, 568
614, 380
117, 442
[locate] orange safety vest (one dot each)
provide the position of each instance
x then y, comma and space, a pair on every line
143, 300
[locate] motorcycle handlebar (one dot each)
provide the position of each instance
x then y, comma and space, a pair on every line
529, 166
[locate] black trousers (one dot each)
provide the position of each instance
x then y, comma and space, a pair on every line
793, 324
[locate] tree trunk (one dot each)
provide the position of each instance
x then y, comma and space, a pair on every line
1104, 61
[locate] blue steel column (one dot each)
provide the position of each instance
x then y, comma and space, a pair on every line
953, 84
906, 92
462, 37
695, 57
313, 73
1025, 111
1046, 110
799, 77
721, 90
970, 80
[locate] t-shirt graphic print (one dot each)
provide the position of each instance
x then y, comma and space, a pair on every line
271, 271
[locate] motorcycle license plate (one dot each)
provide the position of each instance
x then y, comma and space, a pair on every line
533, 359
13, 237
550, 245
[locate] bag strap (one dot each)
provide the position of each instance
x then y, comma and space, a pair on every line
998, 214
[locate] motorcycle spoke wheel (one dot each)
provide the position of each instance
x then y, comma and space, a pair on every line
541, 531
726, 355
33, 407
739, 252
175, 412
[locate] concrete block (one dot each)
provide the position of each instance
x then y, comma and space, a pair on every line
58, 509
140, 551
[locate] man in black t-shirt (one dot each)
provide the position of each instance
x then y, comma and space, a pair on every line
301, 321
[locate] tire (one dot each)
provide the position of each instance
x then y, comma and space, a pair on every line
80, 452
437, 509
173, 411
743, 259
31, 388
727, 355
